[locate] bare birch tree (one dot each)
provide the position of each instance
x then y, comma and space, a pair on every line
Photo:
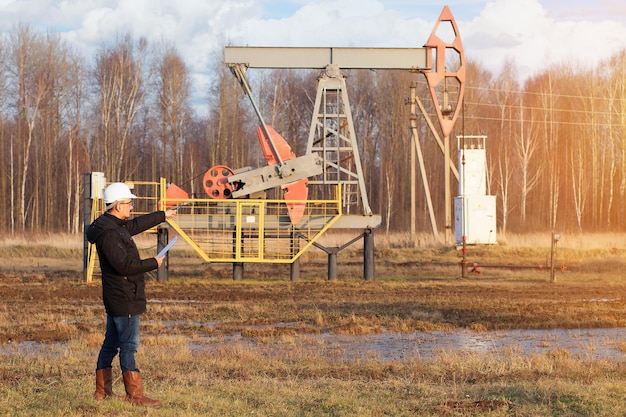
6, 144
616, 92
174, 88
527, 146
119, 77
545, 97
231, 133
75, 147
505, 96
30, 87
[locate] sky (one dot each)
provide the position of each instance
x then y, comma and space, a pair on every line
532, 33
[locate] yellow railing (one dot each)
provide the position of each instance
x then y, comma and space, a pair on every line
97, 208
241, 230
147, 193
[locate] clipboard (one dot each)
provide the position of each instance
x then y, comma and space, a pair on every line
168, 247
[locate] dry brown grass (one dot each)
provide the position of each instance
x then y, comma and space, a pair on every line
242, 379
266, 370
394, 240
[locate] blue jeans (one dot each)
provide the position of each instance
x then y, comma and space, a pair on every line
122, 335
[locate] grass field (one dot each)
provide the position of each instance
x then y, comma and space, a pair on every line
51, 326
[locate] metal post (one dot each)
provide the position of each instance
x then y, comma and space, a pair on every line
294, 268
237, 271
464, 259
332, 263
413, 157
420, 158
447, 191
237, 266
162, 241
555, 239
86, 220
368, 254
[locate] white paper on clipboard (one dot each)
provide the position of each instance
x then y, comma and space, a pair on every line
168, 247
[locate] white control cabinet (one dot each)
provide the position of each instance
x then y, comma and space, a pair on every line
475, 217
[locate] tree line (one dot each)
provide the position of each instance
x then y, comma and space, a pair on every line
556, 144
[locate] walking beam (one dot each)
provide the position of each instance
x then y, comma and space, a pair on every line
319, 58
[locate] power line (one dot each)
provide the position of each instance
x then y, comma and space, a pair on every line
602, 117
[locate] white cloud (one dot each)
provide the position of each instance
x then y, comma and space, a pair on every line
331, 23
533, 33
526, 32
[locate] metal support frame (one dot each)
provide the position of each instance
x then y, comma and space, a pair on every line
416, 151
368, 254
332, 135
332, 132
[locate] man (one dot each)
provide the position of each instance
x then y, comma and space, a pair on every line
123, 285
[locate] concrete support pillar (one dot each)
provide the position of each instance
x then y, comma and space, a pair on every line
294, 270
332, 263
237, 271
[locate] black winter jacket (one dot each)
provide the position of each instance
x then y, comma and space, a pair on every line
123, 281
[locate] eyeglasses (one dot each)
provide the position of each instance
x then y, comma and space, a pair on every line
128, 202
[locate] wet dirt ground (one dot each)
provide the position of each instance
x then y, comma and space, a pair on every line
46, 301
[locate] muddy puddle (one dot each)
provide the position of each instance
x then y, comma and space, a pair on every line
584, 344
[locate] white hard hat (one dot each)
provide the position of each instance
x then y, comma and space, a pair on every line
117, 191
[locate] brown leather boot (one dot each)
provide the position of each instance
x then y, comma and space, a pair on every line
104, 384
134, 390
